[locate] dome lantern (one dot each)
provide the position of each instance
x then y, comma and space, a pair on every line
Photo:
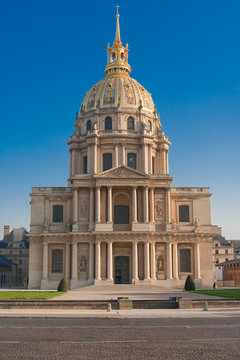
117, 55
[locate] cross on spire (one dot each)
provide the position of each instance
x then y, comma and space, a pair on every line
117, 6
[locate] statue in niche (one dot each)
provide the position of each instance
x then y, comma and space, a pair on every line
196, 224
174, 224
68, 225
45, 224
83, 264
160, 264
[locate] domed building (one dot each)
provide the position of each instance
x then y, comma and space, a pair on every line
119, 221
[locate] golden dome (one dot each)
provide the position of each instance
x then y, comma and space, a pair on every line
118, 89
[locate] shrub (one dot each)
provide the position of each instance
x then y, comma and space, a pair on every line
189, 284
62, 286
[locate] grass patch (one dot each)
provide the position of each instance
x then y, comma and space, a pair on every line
28, 295
226, 293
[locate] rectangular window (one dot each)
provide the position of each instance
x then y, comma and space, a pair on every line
226, 251
183, 213
85, 164
20, 262
57, 261
132, 160
107, 161
185, 260
216, 251
58, 213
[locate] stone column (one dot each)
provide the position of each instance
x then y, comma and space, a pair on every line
73, 162
153, 261
166, 161
168, 206
152, 217
169, 261
109, 262
91, 262
91, 207
75, 206
46, 209
109, 220
134, 261
197, 261
150, 159
134, 204
95, 162
89, 158
145, 205
146, 261
45, 261
116, 156
175, 261
145, 158
67, 261
74, 260
123, 154
98, 260
98, 204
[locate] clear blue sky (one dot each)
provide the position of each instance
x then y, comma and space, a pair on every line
187, 55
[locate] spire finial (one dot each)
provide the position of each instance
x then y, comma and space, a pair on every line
117, 35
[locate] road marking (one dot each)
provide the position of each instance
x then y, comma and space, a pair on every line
10, 342
102, 342
217, 339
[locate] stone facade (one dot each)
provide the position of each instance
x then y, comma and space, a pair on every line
119, 220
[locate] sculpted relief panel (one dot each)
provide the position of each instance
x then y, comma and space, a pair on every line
159, 209
83, 260
83, 206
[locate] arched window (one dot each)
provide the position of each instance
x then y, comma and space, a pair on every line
131, 160
130, 123
107, 161
89, 125
58, 213
183, 213
108, 123
185, 260
149, 125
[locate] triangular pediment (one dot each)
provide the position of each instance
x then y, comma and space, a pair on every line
122, 172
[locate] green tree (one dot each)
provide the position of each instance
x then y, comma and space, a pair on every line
62, 287
189, 284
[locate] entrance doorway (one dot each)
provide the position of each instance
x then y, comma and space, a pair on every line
121, 270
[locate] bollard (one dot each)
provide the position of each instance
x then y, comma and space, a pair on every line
205, 306
109, 307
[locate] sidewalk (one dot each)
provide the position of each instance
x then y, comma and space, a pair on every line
130, 314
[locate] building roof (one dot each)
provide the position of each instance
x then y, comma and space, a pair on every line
235, 244
15, 235
3, 244
222, 240
4, 260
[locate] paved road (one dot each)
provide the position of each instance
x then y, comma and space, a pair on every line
201, 339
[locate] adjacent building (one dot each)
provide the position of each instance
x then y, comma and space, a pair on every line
15, 248
119, 220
